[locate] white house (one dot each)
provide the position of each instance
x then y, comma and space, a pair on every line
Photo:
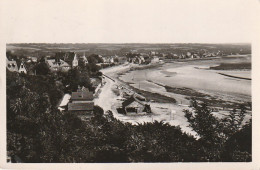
152, 52
22, 69
34, 59
11, 65
155, 59
111, 60
142, 59
188, 54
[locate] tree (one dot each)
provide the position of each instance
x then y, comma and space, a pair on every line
94, 58
42, 69
76, 78
238, 147
233, 121
203, 122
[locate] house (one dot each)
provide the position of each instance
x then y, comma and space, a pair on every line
196, 55
33, 59
133, 105
137, 60
155, 59
188, 54
105, 59
108, 59
182, 56
142, 59
57, 65
11, 65
204, 55
175, 56
22, 69
82, 94
152, 53
111, 60
122, 60
164, 55
81, 101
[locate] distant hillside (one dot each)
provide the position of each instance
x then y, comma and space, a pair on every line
39, 49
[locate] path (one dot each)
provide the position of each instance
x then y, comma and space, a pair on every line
106, 97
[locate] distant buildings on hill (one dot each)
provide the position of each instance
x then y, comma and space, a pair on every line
66, 63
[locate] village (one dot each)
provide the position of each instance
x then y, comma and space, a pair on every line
150, 84
82, 100
89, 88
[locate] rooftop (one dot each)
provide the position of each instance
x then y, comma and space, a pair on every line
87, 106
53, 63
131, 100
82, 95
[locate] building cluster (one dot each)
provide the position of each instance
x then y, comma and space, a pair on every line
144, 58
132, 102
81, 101
134, 105
197, 55
57, 65
12, 66
113, 59
54, 64
156, 57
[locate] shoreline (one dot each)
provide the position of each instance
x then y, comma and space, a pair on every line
187, 93
156, 97
227, 75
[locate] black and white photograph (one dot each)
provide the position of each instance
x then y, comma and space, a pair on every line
112, 82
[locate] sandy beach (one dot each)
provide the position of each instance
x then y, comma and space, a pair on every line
172, 74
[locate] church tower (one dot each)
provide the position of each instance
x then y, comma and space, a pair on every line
85, 59
75, 61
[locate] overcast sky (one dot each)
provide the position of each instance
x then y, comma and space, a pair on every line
128, 21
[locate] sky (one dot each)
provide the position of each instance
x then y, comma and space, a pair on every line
128, 21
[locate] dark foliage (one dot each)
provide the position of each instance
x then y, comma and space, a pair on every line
94, 58
38, 132
223, 139
42, 69
76, 77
